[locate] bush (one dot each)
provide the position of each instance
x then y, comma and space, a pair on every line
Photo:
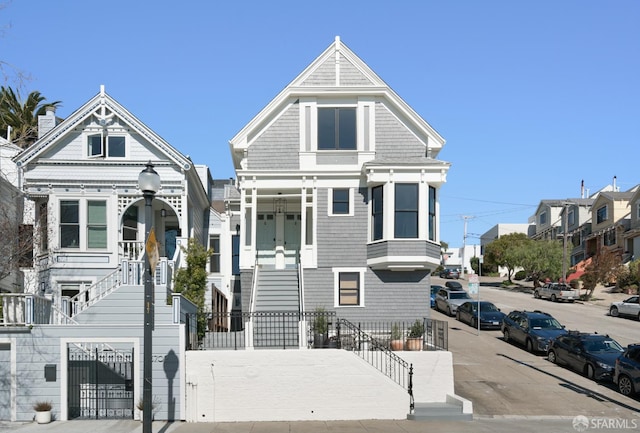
42, 406
417, 329
520, 275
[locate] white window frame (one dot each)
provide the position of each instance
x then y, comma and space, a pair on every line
330, 203
104, 145
336, 286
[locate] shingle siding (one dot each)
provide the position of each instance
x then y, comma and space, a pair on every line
342, 242
393, 140
351, 76
278, 147
325, 75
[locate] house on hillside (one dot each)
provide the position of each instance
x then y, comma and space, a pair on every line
632, 236
339, 194
610, 218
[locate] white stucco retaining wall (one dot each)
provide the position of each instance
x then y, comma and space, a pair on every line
291, 385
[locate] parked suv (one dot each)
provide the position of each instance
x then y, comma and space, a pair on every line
627, 370
448, 300
450, 273
533, 329
593, 355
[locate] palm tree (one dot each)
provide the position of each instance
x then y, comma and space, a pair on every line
22, 117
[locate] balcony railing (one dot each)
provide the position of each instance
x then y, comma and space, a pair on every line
23, 309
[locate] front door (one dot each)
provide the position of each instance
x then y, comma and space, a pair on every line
266, 239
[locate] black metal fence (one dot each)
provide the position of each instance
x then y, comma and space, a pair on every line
317, 329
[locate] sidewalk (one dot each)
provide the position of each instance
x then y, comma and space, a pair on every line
478, 425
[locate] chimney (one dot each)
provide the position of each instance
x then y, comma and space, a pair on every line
582, 189
47, 121
615, 188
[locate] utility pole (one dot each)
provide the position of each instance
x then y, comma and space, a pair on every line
464, 244
564, 241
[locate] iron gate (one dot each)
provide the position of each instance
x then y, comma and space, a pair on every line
100, 383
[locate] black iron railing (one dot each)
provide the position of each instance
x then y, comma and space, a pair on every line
374, 348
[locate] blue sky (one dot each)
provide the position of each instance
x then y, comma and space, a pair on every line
532, 97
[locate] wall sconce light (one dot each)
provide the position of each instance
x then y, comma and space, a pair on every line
163, 212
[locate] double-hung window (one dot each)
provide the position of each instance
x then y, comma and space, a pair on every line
96, 224
543, 218
214, 260
349, 288
377, 212
432, 213
340, 201
69, 224
406, 210
337, 128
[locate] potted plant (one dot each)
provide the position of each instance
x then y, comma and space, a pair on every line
140, 407
320, 328
43, 412
396, 338
414, 341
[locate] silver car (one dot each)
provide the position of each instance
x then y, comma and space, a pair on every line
448, 300
629, 307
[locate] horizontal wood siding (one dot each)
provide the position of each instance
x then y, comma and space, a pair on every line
393, 140
279, 146
41, 346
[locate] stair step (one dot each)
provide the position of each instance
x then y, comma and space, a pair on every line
438, 411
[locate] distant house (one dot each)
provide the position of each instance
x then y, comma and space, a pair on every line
632, 236
339, 179
502, 229
610, 218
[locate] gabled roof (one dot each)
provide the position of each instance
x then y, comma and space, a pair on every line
323, 76
100, 105
614, 196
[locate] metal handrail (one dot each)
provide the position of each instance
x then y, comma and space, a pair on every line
372, 350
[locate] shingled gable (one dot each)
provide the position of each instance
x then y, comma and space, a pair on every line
102, 106
341, 72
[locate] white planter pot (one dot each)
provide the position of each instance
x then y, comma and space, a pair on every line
43, 417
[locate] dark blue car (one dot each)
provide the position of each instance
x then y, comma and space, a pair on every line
533, 329
627, 370
490, 315
434, 290
593, 355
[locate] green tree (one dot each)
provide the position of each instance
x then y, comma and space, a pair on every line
22, 116
541, 259
506, 251
604, 268
191, 281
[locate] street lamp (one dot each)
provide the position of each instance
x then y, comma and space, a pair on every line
149, 184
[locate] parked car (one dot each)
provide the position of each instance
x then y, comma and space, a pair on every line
448, 300
556, 292
450, 273
490, 315
593, 355
629, 307
453, 285
434, 290
626, 373
533, 329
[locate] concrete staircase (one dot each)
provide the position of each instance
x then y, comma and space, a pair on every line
449, 411
276, 308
